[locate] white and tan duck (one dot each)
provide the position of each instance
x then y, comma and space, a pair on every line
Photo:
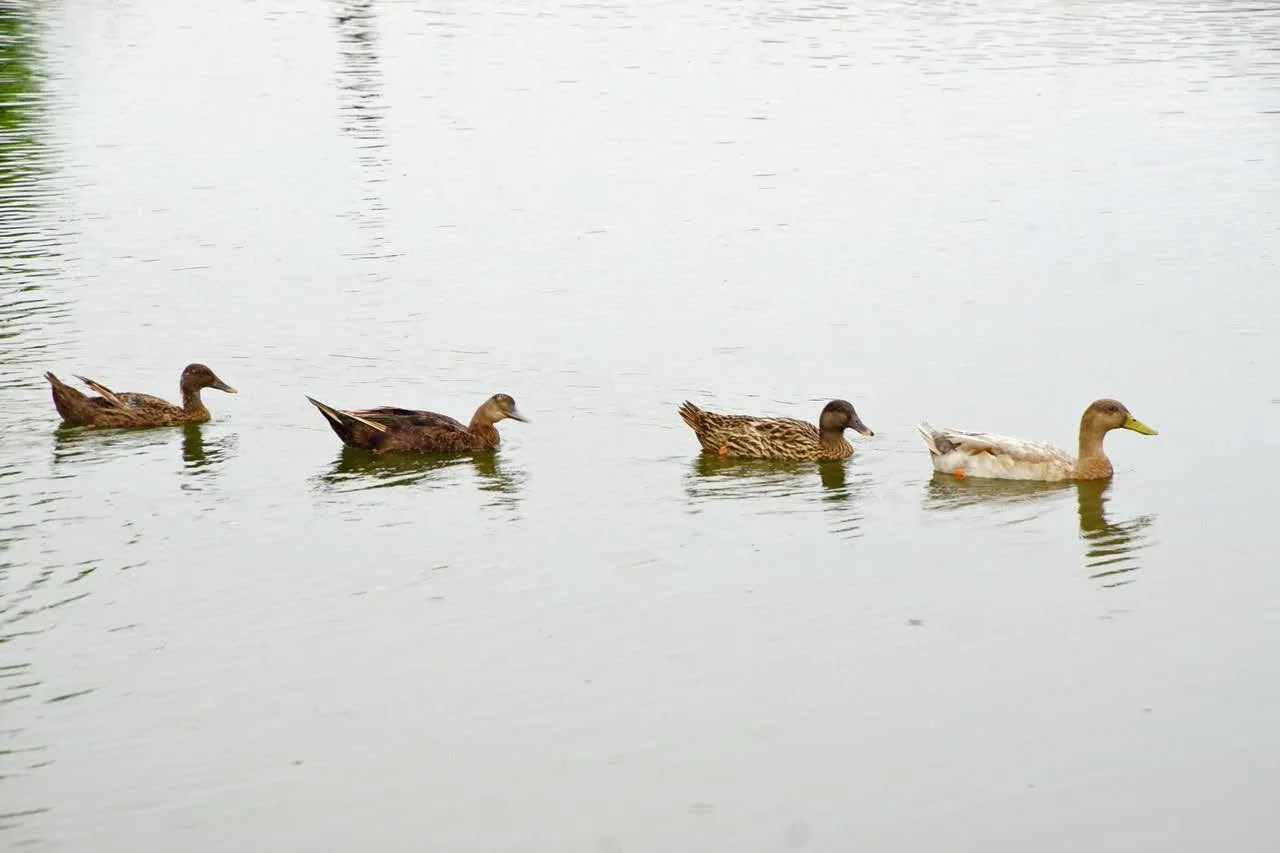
981, 454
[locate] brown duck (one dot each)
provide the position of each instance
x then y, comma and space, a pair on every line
128, 409
750, 437
391, 430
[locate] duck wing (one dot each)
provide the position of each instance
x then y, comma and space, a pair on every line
390, 428
415, 431
144, 401
746, 435
131, 401
771, 437
397, 418
107, 394
947, 440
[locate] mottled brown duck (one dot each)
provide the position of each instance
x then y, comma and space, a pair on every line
750, 437
126, 410
392, 430
984, 454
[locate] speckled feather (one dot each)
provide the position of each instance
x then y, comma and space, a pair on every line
761, 438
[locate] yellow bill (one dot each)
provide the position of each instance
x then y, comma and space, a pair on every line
1138, 426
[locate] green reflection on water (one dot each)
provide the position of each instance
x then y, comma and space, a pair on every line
779, 486
18, 78
72, 444
357, 469
30, 239
27, 244
1111, 548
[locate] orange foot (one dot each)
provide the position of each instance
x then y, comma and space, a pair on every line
724, 450
959, 473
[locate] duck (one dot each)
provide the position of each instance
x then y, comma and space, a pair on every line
749, 437
393, 430
125, 410
980, 454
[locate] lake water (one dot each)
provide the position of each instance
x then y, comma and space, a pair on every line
240, 637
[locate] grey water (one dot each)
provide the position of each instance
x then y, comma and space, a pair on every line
240, 636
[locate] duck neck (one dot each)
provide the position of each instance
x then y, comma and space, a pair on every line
482, 427
1092, 463
833, 443
191, 402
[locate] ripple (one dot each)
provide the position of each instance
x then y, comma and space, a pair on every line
779, 487
33, 323
78, 447
362, 109
1023, 35
715, 477
1022, 500
204, 460
31, 237
358, 470
842, 487
1112, 549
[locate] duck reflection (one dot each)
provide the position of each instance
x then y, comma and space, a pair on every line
945, 492
729, 477
840, 492
834, 480
80, 445
501, 481
200, 458
1111, 549
359, 470
193, 452
777, 484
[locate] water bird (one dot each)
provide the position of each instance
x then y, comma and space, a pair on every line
114, 410
980, 454
749, 437
391, 430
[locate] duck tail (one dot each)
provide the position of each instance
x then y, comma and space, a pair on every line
692, 415
68, 401
343, 421
930, 437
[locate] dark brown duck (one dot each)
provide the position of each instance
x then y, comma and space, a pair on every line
128, 409
392, 430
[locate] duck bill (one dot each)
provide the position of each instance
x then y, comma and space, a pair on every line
516, 416
222, 386
1138, 426
861, 429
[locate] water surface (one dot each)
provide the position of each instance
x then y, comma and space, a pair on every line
242, 636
